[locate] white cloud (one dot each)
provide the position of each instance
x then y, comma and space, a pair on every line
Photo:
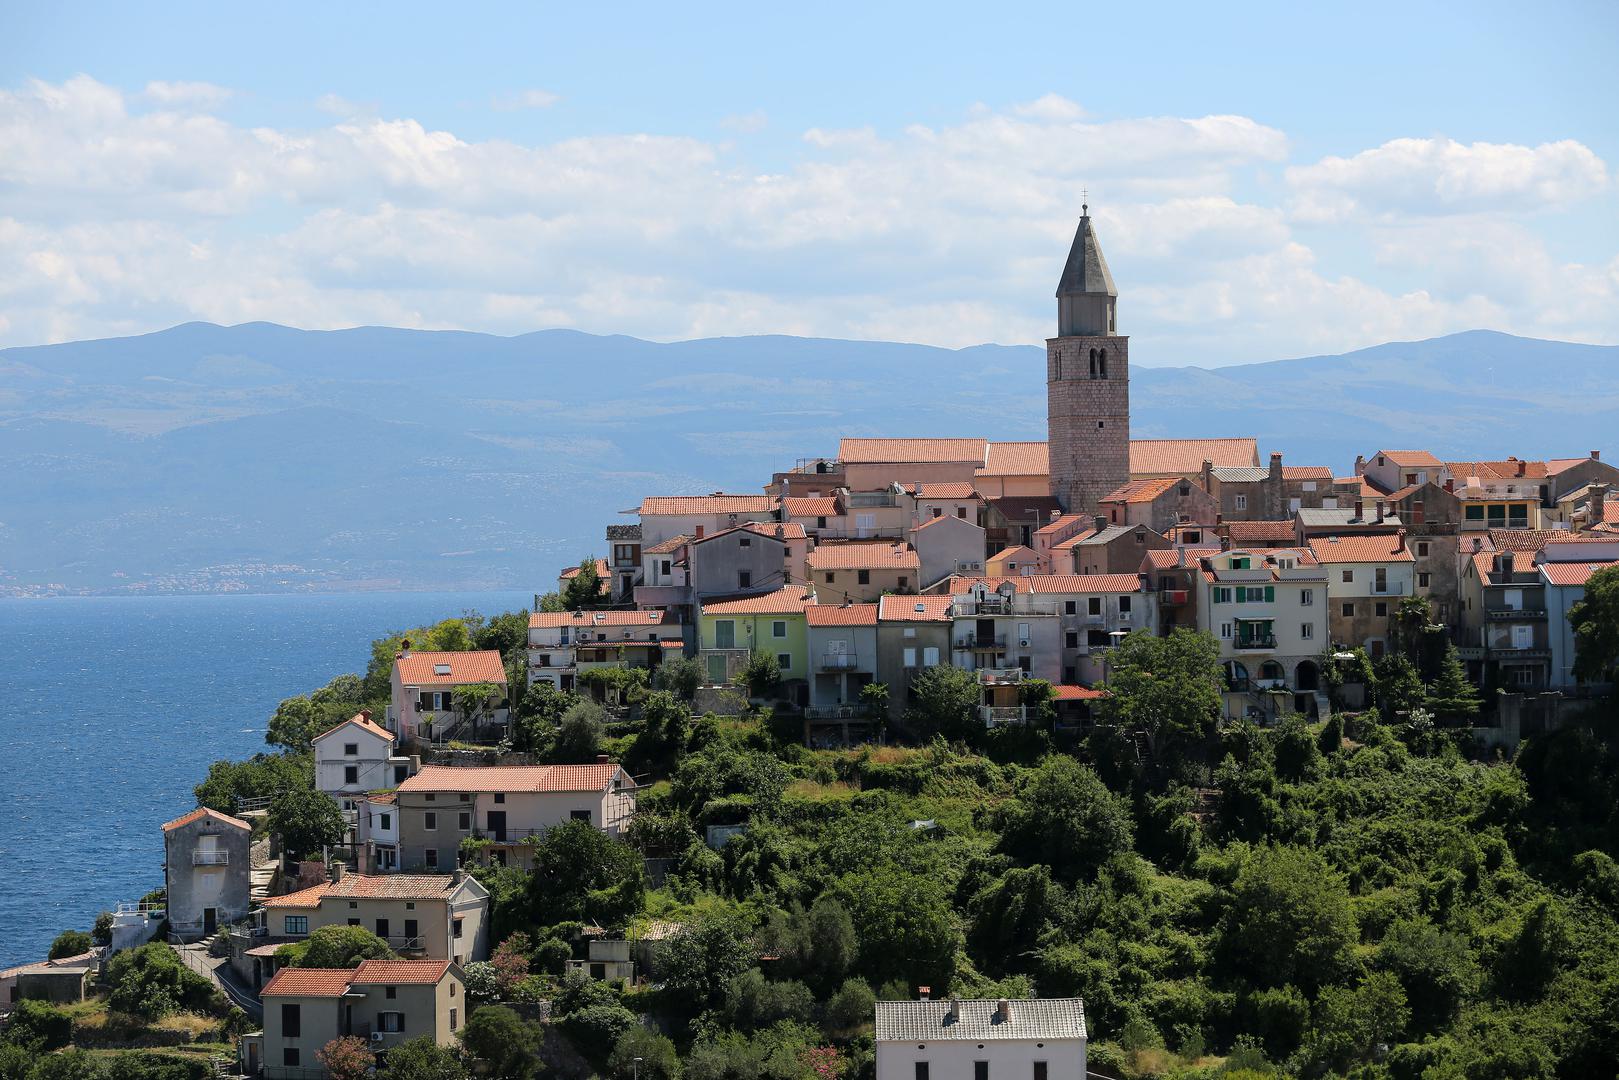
1441, 176
747, 122
524, 99
200, 95
128, 213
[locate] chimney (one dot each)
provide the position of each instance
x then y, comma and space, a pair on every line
1379, 511
923, 992
1360, 464
337, 872
1208, 476
1360, 508
1450, 484
1596, 455
1003, 1011
457, 876
415, 764
1597, 504
1478, 544
1100, 522
365, 714
953, 1014
1521, 466
404, 649
1275, 465
602, 759
1055, 514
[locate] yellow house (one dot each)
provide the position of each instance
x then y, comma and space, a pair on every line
730, 630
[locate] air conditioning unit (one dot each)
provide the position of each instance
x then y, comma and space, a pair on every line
376, 1036
1023, 643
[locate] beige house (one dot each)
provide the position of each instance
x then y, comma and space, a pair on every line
862, 571
423, 916
869, 464
1367, 578
664, 517
561, 644
1268, 609
957, 499
1014, 469
384, 1002
506, 806
948, 545
422, 704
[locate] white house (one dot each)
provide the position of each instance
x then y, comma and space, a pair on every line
1268, 608
1042, 1039
354, 757
561, 644
376, 837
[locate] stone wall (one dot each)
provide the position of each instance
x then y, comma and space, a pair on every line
1088, 420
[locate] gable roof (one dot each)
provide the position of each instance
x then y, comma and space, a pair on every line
1179, 557
957, 489
1141, 491
821, 506
602, 571
1068, 692
788, 600
1066, 521
1186, 456
1017, 553
308, 982
1410, 457
361, 720
717, 503
1015, 459
1497, 470
845, 615
1240, 474
512, 778
300, 898
932, 608
1306, 472
1085, 583
1361, 548
1572, 573
542, 620
371, 972
1248, 532
941, 518
204, 812
978, 1020
421, 668
667, 547
882, 451
856, 555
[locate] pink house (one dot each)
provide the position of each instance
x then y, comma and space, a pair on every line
422, 706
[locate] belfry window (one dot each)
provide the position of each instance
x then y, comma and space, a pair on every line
1102, 364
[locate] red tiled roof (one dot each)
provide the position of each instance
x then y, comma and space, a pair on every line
602, 570
1062, 523
957, 490
1409, 457
308, 982
959, 584
1306, 472
545, 620
891, 608
1497, 470
846, 615
514, 778
1535, 539
1178, 557
944, 517
203, 812
667, 547
718, 503
1014, 554
371, 972
886, 451
1405, 492
1557, 465
303, 898
393, 887
1085, 583
1015, 459
1064, 692
417, 669
1186, 456
1572, 573
791, 600
855, 555
381, 798
1247, 532
826, 506
360, 720
1141, 491
1360, 548
790, 530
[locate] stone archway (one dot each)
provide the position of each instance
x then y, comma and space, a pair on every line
1307, 676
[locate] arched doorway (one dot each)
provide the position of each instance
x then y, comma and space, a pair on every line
1236, 676
1271, 673
1307, 676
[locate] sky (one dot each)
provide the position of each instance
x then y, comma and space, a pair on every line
1267, 179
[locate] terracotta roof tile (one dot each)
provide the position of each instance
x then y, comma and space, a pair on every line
791, 600
511, 778
718, 503
667, 547
846, 615
1409, 457
360, 720
933, 608
956, 490
1085, 583
886, 451
826, 506
545, 620
1015, 459
1018, 553
1497, 470
1361, 548
1532, 539
790, 530
944, 517
1141, 491
308, 982
1250, 532
1178, 557
1572, 573
393, 887
1066, 521
855, 555
1306, 472
1064, 692
372, 972
958, 584
203, 812
421, 668
602, 571
303, 898
1186, 456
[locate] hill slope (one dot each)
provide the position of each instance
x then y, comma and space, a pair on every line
205, 457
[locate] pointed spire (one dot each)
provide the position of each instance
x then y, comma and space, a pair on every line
1086, 271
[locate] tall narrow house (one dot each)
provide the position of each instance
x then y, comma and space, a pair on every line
1087, 381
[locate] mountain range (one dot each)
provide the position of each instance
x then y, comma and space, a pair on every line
262, 457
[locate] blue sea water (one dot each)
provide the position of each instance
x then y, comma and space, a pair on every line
111, 710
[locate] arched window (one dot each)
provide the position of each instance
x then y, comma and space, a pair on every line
1093, 363
1270, 670
1102, 363
1236, 676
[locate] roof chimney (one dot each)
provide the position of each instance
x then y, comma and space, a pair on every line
337, 872
404, 649
924, 992
1100, 522
457, 876
1478, 544
1380, 511
1596, 455
1521, 465
1360, 508
1596, 503
1003, 1011
1208, 475
602, 759
365, 714
1055, 514
1450, 484
1275, 465
1360, 464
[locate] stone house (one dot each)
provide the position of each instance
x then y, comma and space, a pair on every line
664, 517
1094, 613
947, 545
1113, 549
1000, 625
1160, 504
207, 868
623, 562
1174, 573
861, 571
958, 500
355, 757
747, 558
842, 652
913, 633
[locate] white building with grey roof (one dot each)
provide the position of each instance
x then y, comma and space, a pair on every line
1040, 1039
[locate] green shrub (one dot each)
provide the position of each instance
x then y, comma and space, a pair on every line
39, 1028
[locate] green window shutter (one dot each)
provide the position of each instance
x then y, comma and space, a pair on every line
1242, 594
1270, 594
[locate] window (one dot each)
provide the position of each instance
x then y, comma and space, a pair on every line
500, 797
1306, 631
746, 541
1306, 597
354, 922
778, 628
1093, 605
921, 1070
784, 660
1242, 502
980, 1070
1240, 562
1475, 513
1422, 549
1070, 607
1309, 485
431, 797
1124, 605
1222, 594
1294, 505
464, 821
289, 1055
1422, 580
390, 1021
430, 821
430, 857
1349, 611
351, 749
744, 579
457, 925
1225, 630
353, 904
961, 512
1071, 639
292, 1020
296, 924
910, 658
863, 577
1185, 490
1039, 1070
452, 1011
938, 511
830, 577
391, 992
930, 656
351, 774
904, 583
1349, 575
387, 822
1380, 609
578, 815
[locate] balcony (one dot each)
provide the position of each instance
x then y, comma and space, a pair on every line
836, 712
1514, 613
1255, 641
839, 662
1389, 588
981, 643
1003, 716
1172, 597
210, 858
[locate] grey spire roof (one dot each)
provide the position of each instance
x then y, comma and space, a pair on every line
1086, 270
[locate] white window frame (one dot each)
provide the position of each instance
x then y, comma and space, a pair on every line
1241, 502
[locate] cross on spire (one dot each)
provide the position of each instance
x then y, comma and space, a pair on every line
1085, 200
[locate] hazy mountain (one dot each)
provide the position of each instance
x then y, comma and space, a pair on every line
206, 457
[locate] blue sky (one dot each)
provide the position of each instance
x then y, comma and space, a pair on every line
1268, 179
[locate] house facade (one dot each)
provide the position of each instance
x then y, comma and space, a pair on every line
355, 757
947, 545
731, 630
420, 916
384, 1002
422, 705
207, 866
1000, 624
913, 634
747, 558
1036, 1039
1159, 504
842, 653
1094, 613
861, 571
1268, 609
562, 644
1367, 578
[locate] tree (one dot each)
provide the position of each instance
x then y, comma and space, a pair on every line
1436, 969
347, 1058
336, 947
504, 1042
102, 932
905, 925
70, 943
1451, 696
1064, 817
874, 699
471, 700
761, 676
702, 957
308, 820
510, 962
423, 1059
681, 676
38, 1027
1399, 687
944, 701
1288, 920
585, 589
582, 874
1166, 687
150, 982
641, 1052
261, 776
850, 1007
579, 735
1595, 621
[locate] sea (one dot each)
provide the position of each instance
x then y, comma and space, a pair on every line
112, 709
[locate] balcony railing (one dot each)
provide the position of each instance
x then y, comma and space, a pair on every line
1173, 597
1389, 588
981, 643
210, 858
835, 712
1256, 641
1514, 613
1001, 716
839, 662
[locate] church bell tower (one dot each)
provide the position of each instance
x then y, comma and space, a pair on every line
1087, 381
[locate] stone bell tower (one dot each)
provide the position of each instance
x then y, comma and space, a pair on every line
1087, 381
